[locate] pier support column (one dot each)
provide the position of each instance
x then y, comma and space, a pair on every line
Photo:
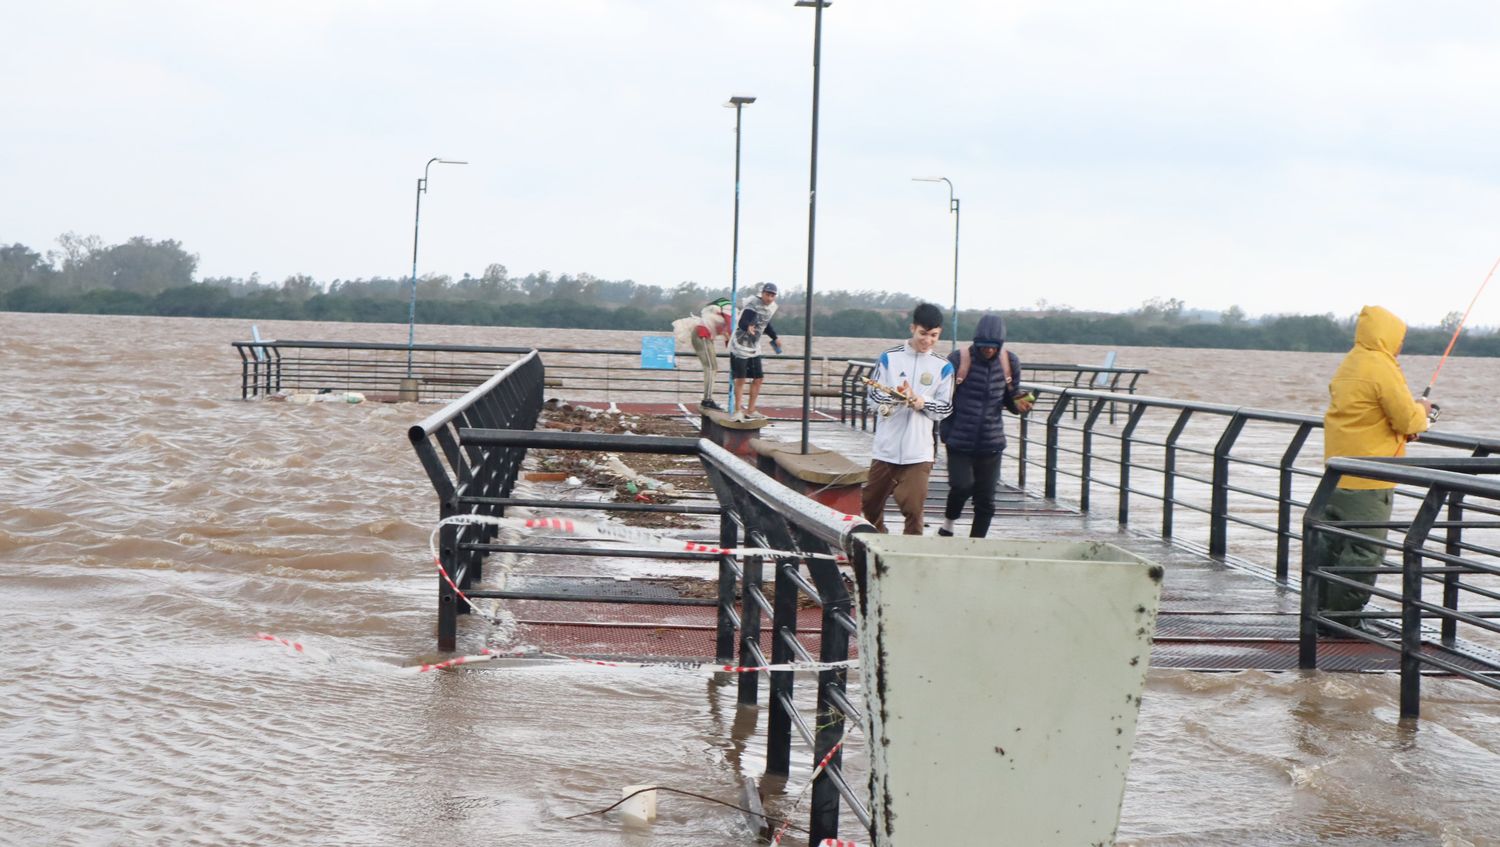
731, 434
819, 474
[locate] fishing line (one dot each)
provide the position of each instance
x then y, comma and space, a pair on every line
1454, 340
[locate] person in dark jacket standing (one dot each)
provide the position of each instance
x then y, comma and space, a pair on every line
988, 379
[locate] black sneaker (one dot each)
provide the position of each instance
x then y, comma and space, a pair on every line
946, 533
709, 404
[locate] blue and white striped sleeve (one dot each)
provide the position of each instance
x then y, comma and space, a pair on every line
882, 375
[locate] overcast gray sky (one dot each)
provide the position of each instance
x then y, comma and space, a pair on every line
1283, 156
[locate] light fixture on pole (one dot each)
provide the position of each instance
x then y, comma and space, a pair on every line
952, 207
738, 104
812, 215
411, 314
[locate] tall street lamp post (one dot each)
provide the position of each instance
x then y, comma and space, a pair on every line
812, 215
411, 315
738, 104
952, 207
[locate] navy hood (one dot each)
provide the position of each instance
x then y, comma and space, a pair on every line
990, 332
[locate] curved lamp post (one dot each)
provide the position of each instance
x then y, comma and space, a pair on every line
812, 215
738, 104
952, 207
411, 315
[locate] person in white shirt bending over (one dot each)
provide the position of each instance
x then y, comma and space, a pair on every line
699, 332
913, 388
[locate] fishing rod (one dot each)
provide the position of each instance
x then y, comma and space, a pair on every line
887, 408
1433, 415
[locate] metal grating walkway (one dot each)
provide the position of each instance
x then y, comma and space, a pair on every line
1213, 616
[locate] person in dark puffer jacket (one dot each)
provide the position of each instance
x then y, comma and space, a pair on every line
974, 434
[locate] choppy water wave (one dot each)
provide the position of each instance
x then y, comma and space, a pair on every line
151, 523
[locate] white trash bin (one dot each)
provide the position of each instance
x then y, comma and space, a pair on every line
1002, 682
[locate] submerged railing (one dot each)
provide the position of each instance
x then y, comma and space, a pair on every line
472, 450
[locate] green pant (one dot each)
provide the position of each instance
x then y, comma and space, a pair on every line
1352, 504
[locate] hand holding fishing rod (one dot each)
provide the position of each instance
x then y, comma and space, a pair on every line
1432, 408
904, 393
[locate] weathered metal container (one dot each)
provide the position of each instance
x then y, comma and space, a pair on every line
1002, 681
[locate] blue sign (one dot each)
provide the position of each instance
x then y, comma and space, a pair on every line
659, 352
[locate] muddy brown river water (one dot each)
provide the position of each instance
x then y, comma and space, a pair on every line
151, 523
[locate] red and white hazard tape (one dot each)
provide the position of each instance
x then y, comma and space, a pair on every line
491, 655
837, 842
698, 667
624, 534
266, 636
604, 532
294, 646
800, 794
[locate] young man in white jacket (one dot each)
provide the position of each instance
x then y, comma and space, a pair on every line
921, 393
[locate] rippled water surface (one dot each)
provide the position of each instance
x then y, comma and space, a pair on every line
151, 523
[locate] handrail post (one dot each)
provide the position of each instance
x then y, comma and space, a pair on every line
783, 624
1411, 598
1086, 464
1136, 413
1453, 546
749, 688
724, 636
1218, 532
1312, 584
447, 598
830, 728
1054, 426
1284, 503
1023, 436
1169, 471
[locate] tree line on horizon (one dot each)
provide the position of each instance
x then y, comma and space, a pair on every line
146, 277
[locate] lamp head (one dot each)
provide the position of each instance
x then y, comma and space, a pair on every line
739, 100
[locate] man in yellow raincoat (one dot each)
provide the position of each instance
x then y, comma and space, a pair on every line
1371, 412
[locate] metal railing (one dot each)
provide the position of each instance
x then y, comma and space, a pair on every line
1465, 487
1212, 486
854, 397
472, 450
1198, 474
445, 371
471, 479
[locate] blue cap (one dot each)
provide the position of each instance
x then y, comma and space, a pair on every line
768, 287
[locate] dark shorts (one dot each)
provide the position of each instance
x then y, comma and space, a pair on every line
742, 368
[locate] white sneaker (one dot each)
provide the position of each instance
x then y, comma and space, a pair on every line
738, 417
756, 415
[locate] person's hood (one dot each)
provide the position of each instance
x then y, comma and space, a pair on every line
1379, 329
990, 332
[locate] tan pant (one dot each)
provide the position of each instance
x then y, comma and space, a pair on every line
908, 482
704, 347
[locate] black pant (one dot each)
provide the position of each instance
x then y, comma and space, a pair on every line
974, 474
